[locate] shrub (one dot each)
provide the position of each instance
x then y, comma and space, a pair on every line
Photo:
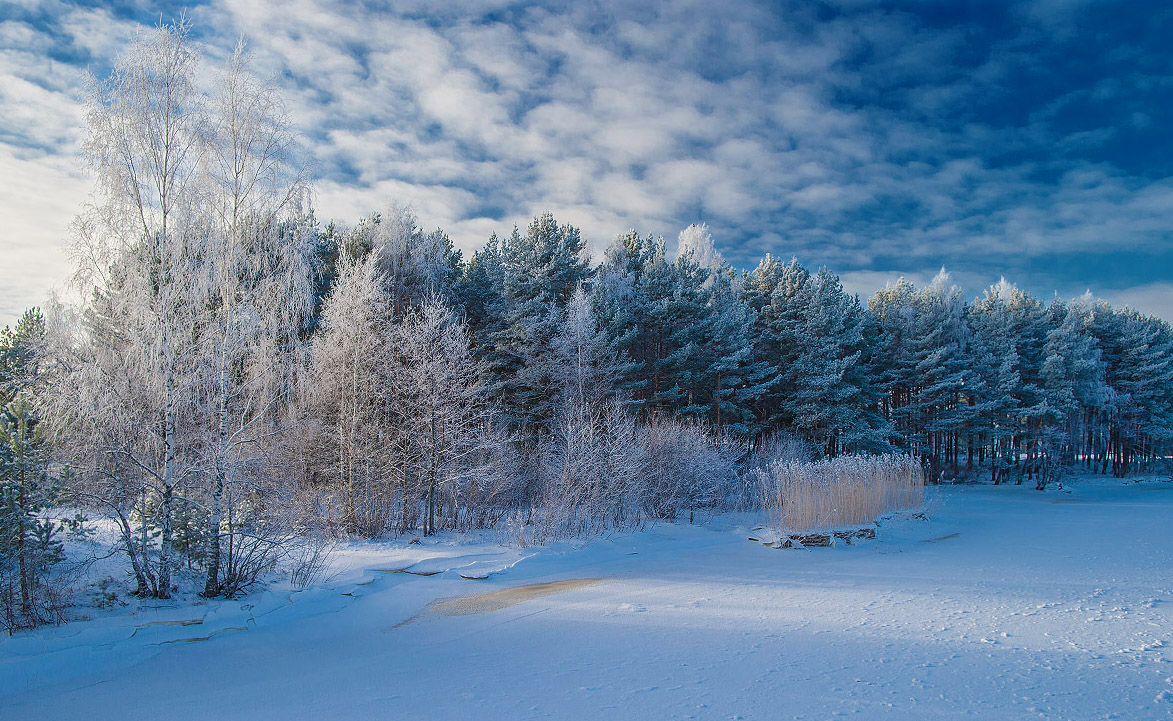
688, 468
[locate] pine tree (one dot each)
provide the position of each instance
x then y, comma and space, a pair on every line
1141, 377
830, 401
621, 310
895, 310
991, 386
542, 269
785, 326
1074, 386
1014, 317
679, 313
940, 354
757, 289
736, 378
29, 543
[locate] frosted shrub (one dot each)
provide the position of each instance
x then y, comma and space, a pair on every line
847, 491
308, 560
591, 467
688, 468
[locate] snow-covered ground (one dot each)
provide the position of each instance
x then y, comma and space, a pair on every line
1005, 603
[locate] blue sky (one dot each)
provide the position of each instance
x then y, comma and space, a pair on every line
1026, 140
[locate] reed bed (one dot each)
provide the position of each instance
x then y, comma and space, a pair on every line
838, 493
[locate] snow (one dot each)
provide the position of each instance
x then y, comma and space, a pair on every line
1005, 603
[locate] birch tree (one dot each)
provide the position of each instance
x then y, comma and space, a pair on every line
590, 459
196, 254
258, 259
440, 408
147, 134
349, 392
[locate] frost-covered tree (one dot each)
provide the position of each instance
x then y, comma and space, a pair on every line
782, 326
940, 354
415, 265
590, 459
541, 270
830, 399
678, 315
696, 244
136, 371
1141, 375
738, 379
1021, 319
629, 302
197, 255
757, 290
620, 311
257, 262
349, 395
590, 364
441, 413
481, 290
895, 309
1073, 389
991, 389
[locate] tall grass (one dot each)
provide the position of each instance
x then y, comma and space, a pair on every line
841, 492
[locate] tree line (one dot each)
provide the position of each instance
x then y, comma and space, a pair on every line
240, 375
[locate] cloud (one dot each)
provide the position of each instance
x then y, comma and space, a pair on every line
1018, 140
42, 195
1150, 298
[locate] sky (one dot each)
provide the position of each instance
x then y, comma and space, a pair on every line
1024, 140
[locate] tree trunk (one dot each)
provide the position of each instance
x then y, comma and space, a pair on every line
26, 581
164, 589
216, 511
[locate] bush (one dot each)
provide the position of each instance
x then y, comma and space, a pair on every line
590, 471
688, 467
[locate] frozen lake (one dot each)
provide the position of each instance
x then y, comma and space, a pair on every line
1006, 603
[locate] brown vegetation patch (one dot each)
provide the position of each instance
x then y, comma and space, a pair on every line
498, 600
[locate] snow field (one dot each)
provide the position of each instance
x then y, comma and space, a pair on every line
1006, 603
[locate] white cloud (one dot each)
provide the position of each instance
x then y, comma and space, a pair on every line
1150, 298
42, 195
847, 140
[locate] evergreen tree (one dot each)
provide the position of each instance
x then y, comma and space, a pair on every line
29, 543
541, 270
786, 320
680, 313
940, 354
895, 310
831, 401
1142, 377
736, 379
1073, 384
622, 311
991, 387
757, 289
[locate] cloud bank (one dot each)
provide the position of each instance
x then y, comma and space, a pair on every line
1022, 140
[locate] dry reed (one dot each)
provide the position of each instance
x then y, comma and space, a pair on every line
838, 493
